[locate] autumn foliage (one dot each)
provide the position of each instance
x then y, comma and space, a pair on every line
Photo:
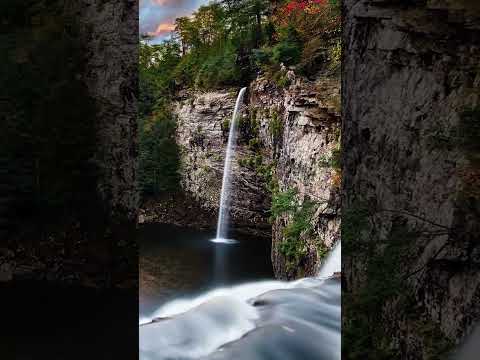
311, 17
309, 6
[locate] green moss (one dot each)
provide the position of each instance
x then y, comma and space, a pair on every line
332, 161
335, 56
275, 126
322, 249
281, 79
226, 125
254, 144
249, 127
293, 246
283, 203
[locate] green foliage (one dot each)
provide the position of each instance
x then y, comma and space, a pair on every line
289, 48
281, 79
216, 43
283, 202
156, 68
333, 161
293, 247
223, 43
219, 69
249, 127
287, 51
159, 154
269, 175
335, 55
275, 126
322, 250
262, 57
226, 125
254, 144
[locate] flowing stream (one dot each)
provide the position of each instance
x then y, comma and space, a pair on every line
222, 225
252, 321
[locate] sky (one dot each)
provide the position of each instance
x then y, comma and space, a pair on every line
157, 16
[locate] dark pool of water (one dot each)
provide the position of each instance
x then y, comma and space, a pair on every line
176, 262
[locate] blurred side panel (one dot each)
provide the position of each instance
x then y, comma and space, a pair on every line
68, 194
411, 215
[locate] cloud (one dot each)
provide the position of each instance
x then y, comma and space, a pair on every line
157, 16
170, 2
162, 29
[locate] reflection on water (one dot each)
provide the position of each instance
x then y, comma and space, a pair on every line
177, 262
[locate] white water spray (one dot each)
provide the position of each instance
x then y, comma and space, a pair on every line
222, 225
333, 262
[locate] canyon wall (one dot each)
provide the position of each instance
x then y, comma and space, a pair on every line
410, 215
286, 136
299, 127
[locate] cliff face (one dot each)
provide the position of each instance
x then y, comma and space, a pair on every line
286, 136
410, 191
299, 128
202, 132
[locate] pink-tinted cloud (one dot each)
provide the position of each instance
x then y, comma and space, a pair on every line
169, 2
162, 30
157, 16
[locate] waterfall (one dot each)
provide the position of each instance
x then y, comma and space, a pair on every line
222, 224
333, 262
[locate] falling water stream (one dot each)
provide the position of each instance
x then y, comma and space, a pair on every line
222, 225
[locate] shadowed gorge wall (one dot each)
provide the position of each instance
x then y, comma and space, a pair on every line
410, 214
68, 197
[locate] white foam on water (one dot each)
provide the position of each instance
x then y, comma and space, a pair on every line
224, 241
198, 332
